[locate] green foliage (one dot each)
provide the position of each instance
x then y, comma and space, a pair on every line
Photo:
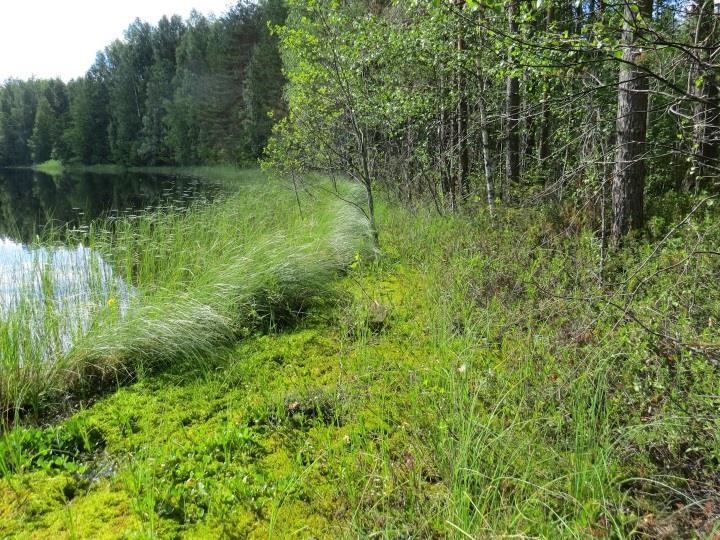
58, 449
87, 134
201, 91
483, 377
18, 101
264, 83
128, 64
41, 141
222, 97
489, 374
187, 304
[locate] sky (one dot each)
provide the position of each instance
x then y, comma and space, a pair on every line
59, 38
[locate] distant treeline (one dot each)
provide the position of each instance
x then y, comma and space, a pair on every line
180, 92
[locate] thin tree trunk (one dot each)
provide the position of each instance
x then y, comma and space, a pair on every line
512, 110
368, 184
546, 114
631, 126
544, 150
445, 137
703, 85
485, 136
452, 154
462, 115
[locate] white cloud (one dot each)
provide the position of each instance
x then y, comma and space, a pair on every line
54, 38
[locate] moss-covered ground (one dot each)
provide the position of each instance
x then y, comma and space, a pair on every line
293, 433
480, 378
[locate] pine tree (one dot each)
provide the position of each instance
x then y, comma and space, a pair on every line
42, 140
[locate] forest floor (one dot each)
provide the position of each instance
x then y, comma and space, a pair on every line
481, 377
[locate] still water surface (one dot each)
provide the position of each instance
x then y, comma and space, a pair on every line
31, 203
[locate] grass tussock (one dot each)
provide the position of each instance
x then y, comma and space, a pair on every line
172, 286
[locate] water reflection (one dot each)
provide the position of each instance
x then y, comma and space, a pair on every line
59, 275
49, 296
30, 201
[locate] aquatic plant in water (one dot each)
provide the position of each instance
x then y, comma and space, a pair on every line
177, 285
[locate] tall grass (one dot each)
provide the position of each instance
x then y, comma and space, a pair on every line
556, 414
184, 283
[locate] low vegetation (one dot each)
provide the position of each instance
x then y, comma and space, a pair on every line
53, 167
481, 377
181, 283
503, 324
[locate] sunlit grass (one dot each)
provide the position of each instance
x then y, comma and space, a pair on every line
219, 173
470, 382
185, 282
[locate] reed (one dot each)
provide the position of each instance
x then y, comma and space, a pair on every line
173, 284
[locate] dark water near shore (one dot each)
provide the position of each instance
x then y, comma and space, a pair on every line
31, 203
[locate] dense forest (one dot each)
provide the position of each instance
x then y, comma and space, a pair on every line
179, 92
600, 104
597, 103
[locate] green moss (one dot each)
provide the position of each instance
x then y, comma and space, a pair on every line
42, 506
264, 438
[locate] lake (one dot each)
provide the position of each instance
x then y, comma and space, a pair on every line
68, 276
31, 202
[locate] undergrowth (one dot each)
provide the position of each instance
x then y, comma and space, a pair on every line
481, 378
